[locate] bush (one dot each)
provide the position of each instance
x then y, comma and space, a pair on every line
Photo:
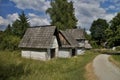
94, 44
10, 42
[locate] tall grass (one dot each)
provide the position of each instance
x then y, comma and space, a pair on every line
116, 57
116, 60
13, 67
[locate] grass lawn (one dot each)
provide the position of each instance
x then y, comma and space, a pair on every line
116, 60
13, 67
116, 57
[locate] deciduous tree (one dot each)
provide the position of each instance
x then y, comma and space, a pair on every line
62, 14
98, 30
113, 32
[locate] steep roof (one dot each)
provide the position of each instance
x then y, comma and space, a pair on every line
77, 33
71, 41
38, 37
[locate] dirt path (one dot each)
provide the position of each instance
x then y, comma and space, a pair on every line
104, 69
90, 75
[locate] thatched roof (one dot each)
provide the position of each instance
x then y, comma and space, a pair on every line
71, 41
38, 37
77, 33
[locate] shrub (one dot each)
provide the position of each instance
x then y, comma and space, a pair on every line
10, 42
94, 44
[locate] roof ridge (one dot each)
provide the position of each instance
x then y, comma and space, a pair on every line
40, 37
42, 26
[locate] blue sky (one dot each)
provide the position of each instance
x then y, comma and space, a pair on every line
85, 11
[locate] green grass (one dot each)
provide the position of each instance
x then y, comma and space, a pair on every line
13, 67
116, 60
116, 57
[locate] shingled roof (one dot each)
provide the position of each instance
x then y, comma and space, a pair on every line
38, 37
72, 42
76, 33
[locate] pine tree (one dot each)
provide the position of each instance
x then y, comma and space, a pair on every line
20, 25
8, 30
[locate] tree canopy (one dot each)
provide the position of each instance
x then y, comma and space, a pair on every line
113, 32
20, 25
97, 29
10, 38
102, 32
8, 30
62, 14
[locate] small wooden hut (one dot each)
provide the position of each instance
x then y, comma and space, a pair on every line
39, 43
67, 45
78, 35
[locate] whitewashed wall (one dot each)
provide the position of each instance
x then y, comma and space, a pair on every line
38, 55
25, 54
64, 53
55, 45
80, 51
41, 54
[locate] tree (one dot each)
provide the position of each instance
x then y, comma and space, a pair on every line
10, 42
10, 38
114, 32
115, 22
98, 30
1, 36
62, 14
8, 30
16, 28
20, 25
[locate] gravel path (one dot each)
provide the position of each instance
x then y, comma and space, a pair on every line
104, 69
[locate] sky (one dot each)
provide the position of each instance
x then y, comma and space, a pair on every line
86, 11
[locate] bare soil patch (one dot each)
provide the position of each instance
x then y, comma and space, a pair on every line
90, 75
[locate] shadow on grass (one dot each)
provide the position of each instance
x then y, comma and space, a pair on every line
12, 71
112, 53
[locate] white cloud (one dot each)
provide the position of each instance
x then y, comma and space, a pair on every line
85, 11
3, 21
88, 10
111, 7
8, 20
36, 20
39, 5
109, 17
12, 17
115, 5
